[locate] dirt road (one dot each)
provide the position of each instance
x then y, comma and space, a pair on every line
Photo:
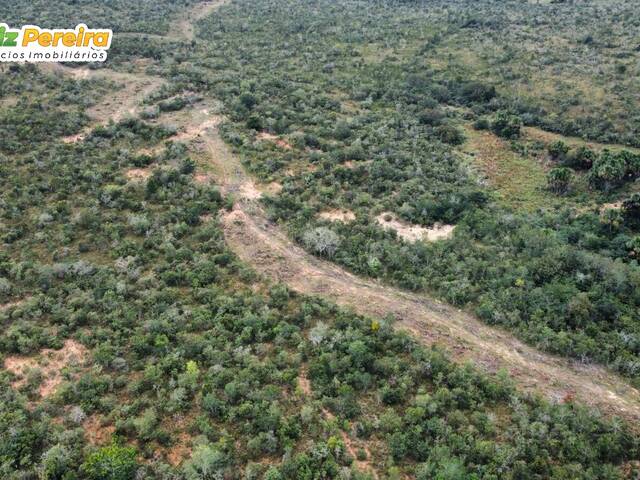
266, 247
269, 251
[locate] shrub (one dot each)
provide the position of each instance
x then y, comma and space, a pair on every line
631, 209
608, 171
581, 158
506, 125
322, 241
450, 134
206, 463
111, 463
558, 180
558, 150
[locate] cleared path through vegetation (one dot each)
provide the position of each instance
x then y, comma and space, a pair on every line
263, 245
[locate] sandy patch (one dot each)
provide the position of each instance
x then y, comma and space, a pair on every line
611, 206
250, 192
8, 101
49, 362
202, 178
300, 169
196, 129
78, 137
304, 383
414, 233
244, 191
275, 139
273, 188
337, 215
96, 432
138, 174
351, 164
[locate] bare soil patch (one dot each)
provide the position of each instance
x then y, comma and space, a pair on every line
8, 305
181, 450
611, 206
305, 384
192, 129
202, 178
49, 362
275, 139
337, 215
351, 164
118, 103
78, 137
138, 174
273, 188
96, 431
413, 233
183, 26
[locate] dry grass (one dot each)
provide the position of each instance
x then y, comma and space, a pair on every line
537, 134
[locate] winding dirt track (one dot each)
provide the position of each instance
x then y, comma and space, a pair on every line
258, 242
263, 245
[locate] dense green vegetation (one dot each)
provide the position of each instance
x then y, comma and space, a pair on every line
196, 369
181, 343
364, 113
144, 16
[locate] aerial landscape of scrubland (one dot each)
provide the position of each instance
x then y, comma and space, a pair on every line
322, 239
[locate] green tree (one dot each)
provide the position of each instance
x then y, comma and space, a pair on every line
206, 463
581, 158
608, 171
111, 463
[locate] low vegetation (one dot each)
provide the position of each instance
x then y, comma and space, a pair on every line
192, 366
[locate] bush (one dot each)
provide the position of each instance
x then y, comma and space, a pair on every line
582, 158
450, 134
631, 209
608, 171
322, 241
506, 125
206, 463
111, 463
558, 150
558, 180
